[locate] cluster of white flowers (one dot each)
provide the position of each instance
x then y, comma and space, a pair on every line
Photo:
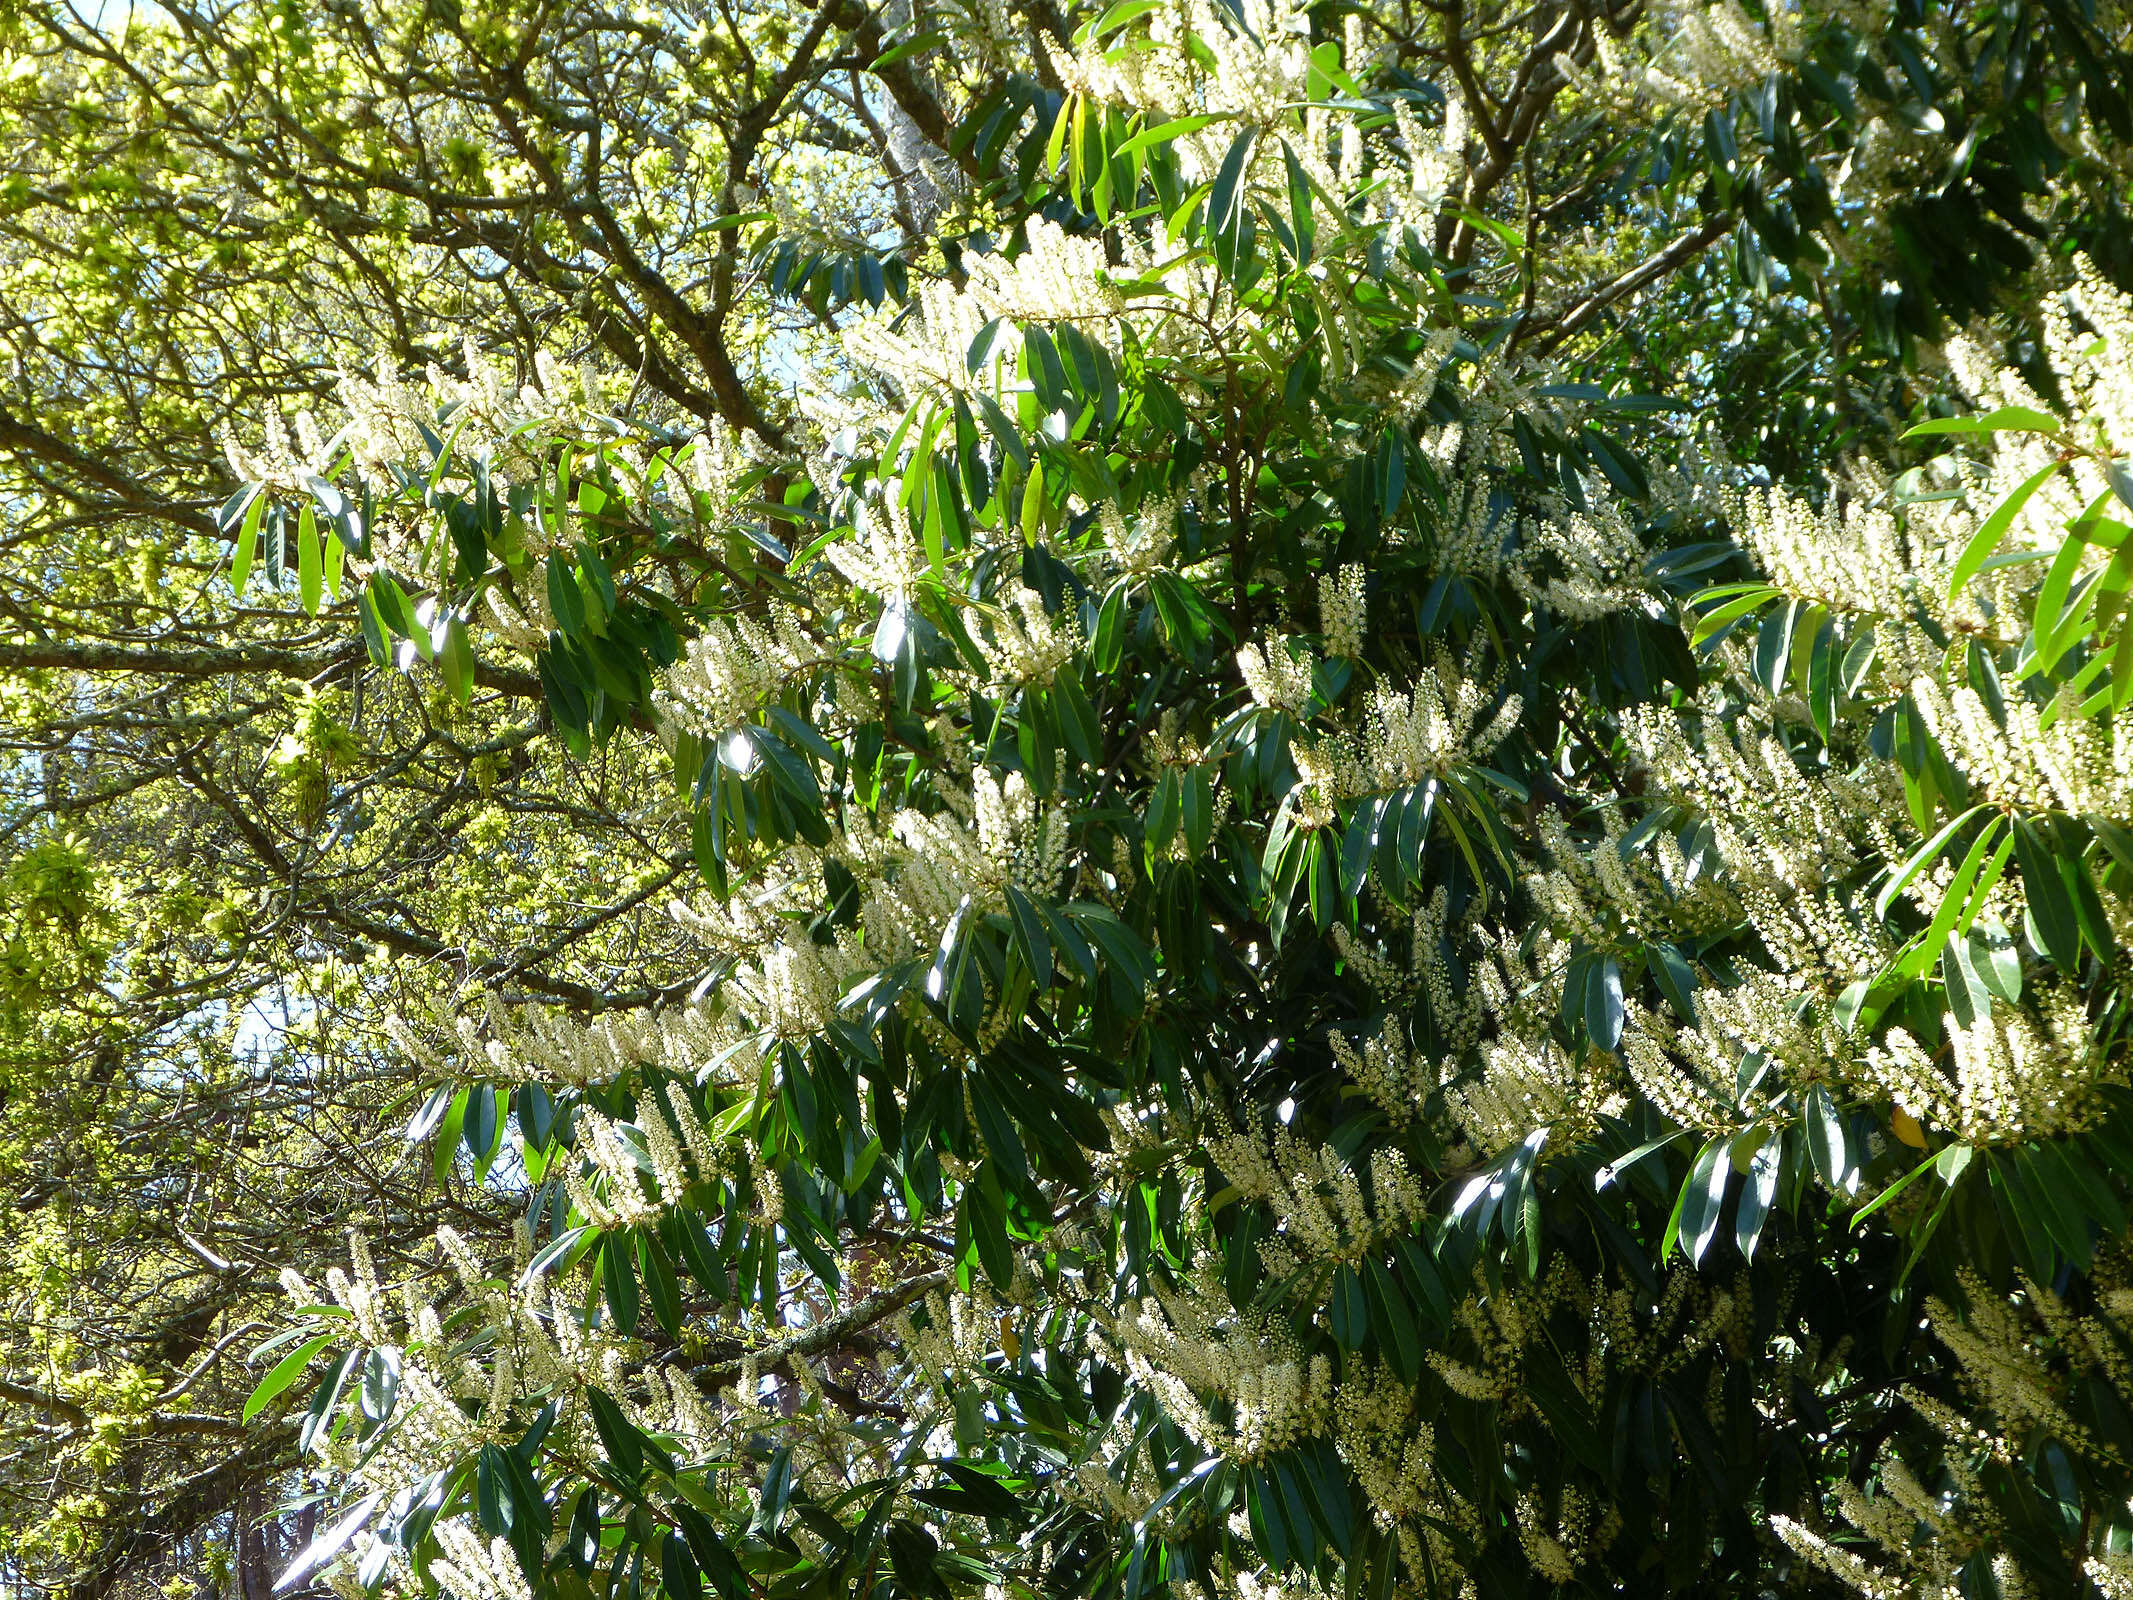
882, 555
1712, 50
2092, 365
611, 1195
1396, 1077
1597, 562
1278, 672
515, 1044
1260, 60
1144, 548
1191, 1342
1783, 834
1318, 1197
1403, 738
917, 867
2046, 757
2021, 1355
1026, 646
1614, 893
473, 1571
927, 352
797, 985
1528, 1081
1059, 278
1436, 167
1437, 725
534, 1338
2013, 1078
732, 668
1343, 612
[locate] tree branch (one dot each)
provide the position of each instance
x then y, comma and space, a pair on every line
283, 661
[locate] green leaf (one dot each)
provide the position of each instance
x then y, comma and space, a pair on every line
659, 1284
988, 1230
712, 1554
618, 1280
677, 1566
326, 1404
1740, 606
1302, 220
1164, 813
2052, 618
1998, 962
997, 1129
2007, 419
446, 1150
1893, 1190
1393, 1319
286, 1371
1604, 1008
706, 1262
1360, 842
1758, 1193
1822, 676
1167, 132
2114, 838
556, 1250
1704, 1199
1227, 211
247, 541
379, 1391
1953, 904
310, 568
2046, 887
565, 599
319, 1553
1676, 979
482, 1125
619, 1437
1994, 528
1920, 860
788, 769
1825, 1139
1030, 937
905, 50
1614, 1169
1348, 1308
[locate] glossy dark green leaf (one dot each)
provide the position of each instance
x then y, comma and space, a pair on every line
1393, 1320
618, 1281
480, 1126
379, 1392
1825, 1138
988, 1230
1604, 1007
997, 1129
659, 1285
677, 1566
1676, 979
1704, 1199
1758, 1194
1227, 207
1031, 940
1348, 1308
787, 768
713, 1556
2046, 890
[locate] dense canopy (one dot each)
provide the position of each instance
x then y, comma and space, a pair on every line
1201, 799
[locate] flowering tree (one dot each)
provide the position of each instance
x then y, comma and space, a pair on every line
1226, 801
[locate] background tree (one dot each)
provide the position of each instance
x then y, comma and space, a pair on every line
1061, 791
